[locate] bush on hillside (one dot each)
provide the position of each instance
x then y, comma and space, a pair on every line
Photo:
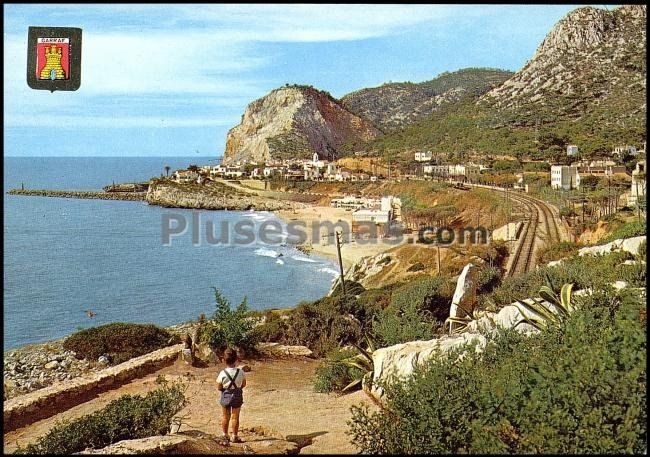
322, 325
577, 388
128, 417
228, 327
120, 341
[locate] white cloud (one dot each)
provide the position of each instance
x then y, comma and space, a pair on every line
177, 51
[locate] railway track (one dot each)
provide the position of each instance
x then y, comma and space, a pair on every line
539, 230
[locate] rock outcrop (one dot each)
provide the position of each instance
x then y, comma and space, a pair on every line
294, 122
173, 195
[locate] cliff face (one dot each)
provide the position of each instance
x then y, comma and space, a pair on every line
293, 122
591, 58
395, 105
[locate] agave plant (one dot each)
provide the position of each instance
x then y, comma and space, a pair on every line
543, 316
362, 361
462, 321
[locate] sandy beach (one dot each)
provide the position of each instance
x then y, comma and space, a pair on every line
352, 251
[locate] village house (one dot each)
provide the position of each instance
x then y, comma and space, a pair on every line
565, 177
354, 202
380, 219
423, 156
599, 168
622, 151
572, 150
185, 176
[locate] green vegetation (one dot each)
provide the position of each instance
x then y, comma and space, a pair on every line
557, 251
589, 271
393, 105
227, 327
575, 388
120, 341
626, 230
333, 374
128, 417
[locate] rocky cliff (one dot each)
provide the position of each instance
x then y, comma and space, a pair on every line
292, 122
592, 60
394, 105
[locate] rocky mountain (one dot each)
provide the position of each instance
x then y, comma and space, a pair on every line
593, 58
585, 85
294, 122
394, 105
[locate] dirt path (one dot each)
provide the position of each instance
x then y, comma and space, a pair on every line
279, 399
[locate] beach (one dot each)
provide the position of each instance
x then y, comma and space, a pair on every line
351, 252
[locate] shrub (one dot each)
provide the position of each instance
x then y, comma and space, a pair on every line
399, 325
417, 266
128, 417
227, 327
273, 330
576, 388
426, 293
121, 341
557, 251
322, 326
332, 375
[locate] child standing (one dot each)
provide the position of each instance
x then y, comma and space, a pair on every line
231, 382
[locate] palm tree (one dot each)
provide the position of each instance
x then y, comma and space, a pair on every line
167, 168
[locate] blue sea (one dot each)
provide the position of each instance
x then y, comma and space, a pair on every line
64, 256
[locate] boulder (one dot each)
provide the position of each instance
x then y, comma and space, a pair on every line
51, 365
630, 245
400, 360
465, 293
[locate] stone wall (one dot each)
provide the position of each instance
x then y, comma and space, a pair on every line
43, 403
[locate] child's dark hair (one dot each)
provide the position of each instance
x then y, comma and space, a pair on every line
230, 356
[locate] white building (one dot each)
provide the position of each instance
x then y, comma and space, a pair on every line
638, 183
565, 177
377, 216
572, 150
185, 176
622, 151
423, 156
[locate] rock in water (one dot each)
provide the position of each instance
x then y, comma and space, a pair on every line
295, 122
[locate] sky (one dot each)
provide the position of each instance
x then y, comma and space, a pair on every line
171, 79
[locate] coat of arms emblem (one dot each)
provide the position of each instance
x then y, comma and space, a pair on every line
54, 58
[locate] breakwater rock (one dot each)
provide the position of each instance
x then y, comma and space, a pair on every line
210, 196
89, 195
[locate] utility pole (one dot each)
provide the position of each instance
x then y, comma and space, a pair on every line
338, 236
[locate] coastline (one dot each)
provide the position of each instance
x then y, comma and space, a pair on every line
351, 253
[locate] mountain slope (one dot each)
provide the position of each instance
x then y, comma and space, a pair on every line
294, 122
394, 105
585, 85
